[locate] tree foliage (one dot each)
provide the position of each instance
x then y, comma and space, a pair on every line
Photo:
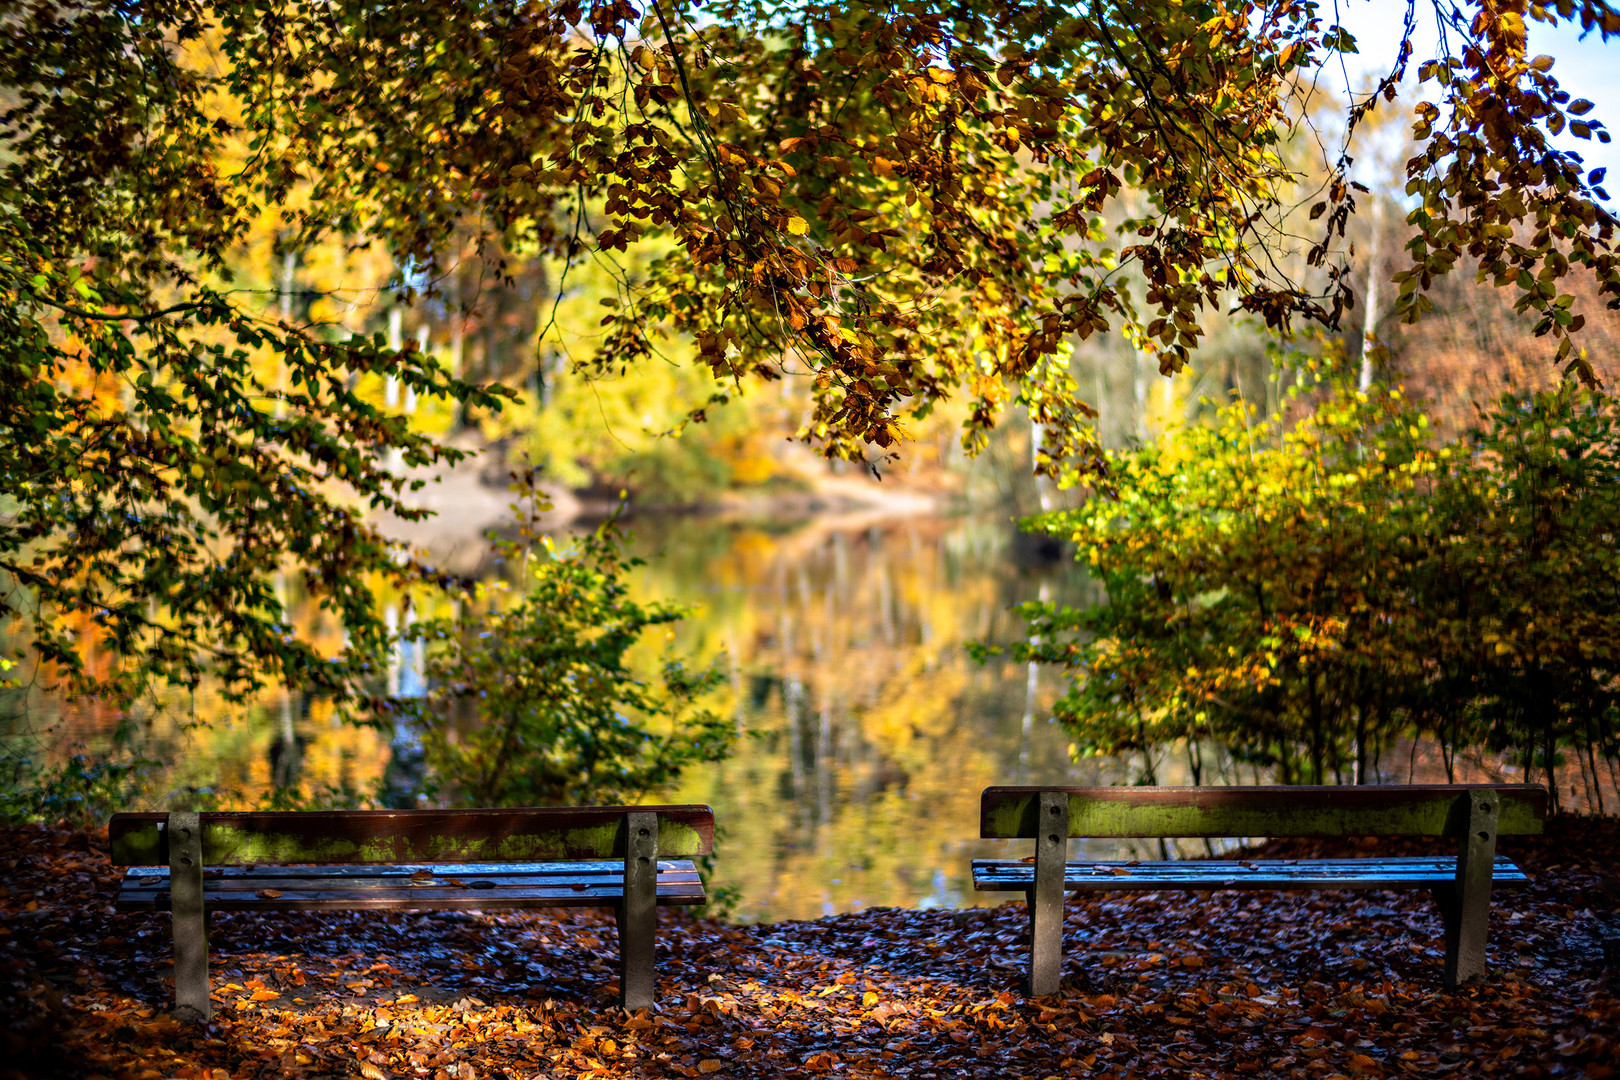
1306, 593
899, 202
154, 478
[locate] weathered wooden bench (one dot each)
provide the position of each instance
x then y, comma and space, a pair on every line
1475, 814
189, 863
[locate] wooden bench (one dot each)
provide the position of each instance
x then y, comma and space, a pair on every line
193, 863
1476, 814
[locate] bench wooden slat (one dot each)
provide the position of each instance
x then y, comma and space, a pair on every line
267, 876
438, 900
221, 886
315, 889
1370, 810
1010, 875
527, 835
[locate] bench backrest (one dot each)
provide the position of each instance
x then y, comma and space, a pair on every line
1368, 810
530, 834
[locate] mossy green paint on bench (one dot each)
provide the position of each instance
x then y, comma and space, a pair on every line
368, 837
1396, 810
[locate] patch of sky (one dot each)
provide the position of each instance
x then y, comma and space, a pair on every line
1584, 64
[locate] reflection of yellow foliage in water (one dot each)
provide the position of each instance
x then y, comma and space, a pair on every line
845, 652
876, 732
336, 756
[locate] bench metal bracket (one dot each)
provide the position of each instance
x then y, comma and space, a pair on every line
638, 911
1046, 898
191, 1001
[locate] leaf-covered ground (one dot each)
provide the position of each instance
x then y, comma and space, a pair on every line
1177, 985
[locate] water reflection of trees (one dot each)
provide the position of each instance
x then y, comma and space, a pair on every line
876, 731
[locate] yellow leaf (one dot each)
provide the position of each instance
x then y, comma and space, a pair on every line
264, 995
869, 999
797, 225
709, 1065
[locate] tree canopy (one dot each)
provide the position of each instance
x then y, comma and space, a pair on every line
898, 202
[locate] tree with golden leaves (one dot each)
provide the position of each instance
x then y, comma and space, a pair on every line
900, 202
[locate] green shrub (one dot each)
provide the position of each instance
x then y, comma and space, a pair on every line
558, 715
81, 791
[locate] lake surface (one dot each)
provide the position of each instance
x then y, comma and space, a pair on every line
868, 730
874, 731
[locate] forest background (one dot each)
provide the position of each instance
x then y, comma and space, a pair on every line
239, 355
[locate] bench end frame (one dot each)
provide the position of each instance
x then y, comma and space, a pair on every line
638, 912
1046, 898
191, 1001
1465, 905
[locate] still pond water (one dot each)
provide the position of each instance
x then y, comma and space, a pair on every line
870, 731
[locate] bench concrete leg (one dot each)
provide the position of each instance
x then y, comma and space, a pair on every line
1046, 898
1465, 905
191, 1002
638, 912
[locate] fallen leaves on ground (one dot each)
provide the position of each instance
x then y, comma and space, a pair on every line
1330, 986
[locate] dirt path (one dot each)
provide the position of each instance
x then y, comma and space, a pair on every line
1317, 985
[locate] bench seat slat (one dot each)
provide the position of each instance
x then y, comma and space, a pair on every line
268, 876
1011, 875
391, 887
225, 886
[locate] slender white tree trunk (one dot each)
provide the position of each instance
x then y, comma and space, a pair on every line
289, 264
1369, 323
